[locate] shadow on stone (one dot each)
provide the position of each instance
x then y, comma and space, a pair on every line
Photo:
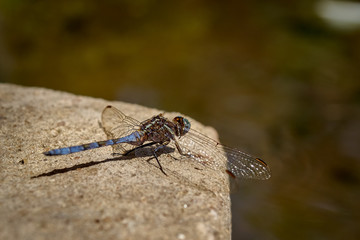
139, 153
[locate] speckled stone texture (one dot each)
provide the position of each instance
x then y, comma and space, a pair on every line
92, 194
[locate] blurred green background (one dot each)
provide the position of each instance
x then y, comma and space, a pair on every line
277, 79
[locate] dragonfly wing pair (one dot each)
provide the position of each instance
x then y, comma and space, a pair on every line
212, 154
116, 125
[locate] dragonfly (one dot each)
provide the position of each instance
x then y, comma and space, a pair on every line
126, 134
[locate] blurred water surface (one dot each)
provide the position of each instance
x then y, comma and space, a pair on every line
276, 79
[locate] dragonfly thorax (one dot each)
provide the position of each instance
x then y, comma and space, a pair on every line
182, 125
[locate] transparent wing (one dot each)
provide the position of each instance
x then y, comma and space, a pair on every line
219, 157
116, 124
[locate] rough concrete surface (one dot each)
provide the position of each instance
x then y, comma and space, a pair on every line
92, 194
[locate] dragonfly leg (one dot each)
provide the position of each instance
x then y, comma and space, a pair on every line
157, 160
161, 145
183, 153
138, 147
154, 152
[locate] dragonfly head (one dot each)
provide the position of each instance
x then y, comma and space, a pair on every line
182, 125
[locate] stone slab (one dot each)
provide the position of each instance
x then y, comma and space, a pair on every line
92, 194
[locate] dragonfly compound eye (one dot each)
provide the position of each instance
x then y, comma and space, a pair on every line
183, 125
